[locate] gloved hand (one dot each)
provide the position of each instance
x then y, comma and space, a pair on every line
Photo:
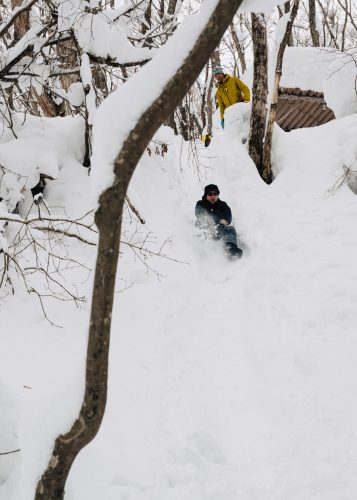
224, 222
222, 123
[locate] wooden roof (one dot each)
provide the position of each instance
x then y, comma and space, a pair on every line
301, 108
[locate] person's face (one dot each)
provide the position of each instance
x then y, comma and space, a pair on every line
212, 197
219, 77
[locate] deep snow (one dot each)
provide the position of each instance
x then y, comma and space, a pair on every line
229, 380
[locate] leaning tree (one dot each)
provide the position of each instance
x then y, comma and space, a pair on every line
213, 19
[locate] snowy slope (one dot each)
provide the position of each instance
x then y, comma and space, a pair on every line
229, 380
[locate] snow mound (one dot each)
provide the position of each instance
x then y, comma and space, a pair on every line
30, 158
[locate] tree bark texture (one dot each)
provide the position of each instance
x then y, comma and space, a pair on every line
290, 41
171, 9
267, 172
67, 55
238, 48
260, 91
216, 58
22, 22
312, 24
108, 219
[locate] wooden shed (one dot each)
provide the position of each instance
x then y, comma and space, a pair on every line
301, 108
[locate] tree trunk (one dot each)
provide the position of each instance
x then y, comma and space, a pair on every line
184, 122
67, 59
108, 219
267, 172
171, 9
312, 23
35, 102
203, 94
327, 25
260, 91
146, 25
238, 47
290, 41
216, 59
22, 23
210, 106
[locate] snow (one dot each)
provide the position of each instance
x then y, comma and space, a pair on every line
105, 40
65, 134
75, 94
27, 40
306, 67
227, 380
43, 146
29, 158
98, 35
265, 6
340, 87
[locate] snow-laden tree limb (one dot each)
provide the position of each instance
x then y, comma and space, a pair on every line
15, 14
15, 54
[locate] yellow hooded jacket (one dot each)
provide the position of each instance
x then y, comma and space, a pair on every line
230, 91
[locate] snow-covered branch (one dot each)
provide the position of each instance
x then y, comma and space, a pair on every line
15, 14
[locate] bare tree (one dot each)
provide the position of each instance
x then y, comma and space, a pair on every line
238, 47
260, 91
171, 9
108, 220
267, 173
327, 25
287, 7
312, 24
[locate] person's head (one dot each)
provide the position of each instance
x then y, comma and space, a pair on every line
211, 193
218, 73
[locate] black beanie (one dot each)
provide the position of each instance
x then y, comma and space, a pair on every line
211, 187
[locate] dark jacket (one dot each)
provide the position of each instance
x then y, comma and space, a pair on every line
219, 210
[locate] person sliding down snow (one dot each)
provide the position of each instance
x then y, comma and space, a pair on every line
230, 90
214, 216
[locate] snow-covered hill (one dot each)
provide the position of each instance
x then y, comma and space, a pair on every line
228, 380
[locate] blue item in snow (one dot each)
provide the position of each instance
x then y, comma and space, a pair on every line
222, 124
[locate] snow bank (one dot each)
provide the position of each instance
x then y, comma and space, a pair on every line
66, 135
237, 120
9, 416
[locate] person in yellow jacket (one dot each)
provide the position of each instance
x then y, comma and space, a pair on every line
230, 90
